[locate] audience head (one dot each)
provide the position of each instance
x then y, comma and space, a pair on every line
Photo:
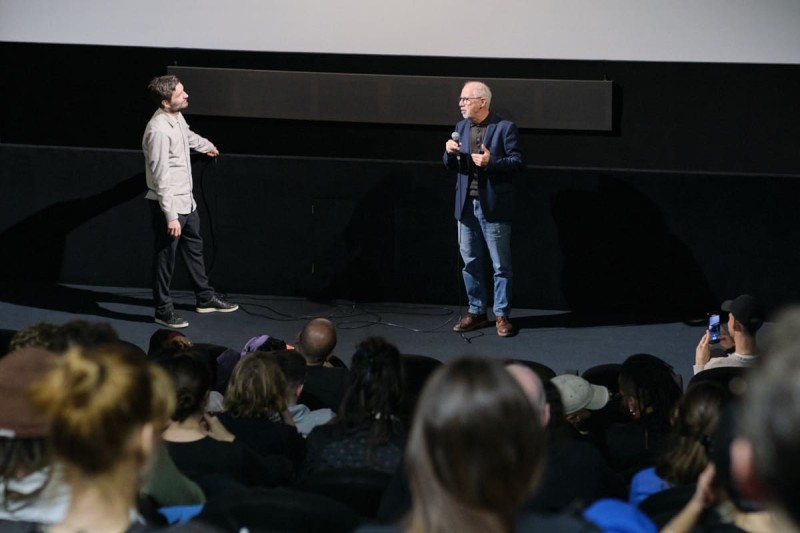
23, 443
104, 407
649, 390
579, 397
766, 458
257, 388
37, 335
376, 383
167, 339
745, 315
191, 379
475, 450
317, 341
293, 367
695, 420
82, 334
533, 388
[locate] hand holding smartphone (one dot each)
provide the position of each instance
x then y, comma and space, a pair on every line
713, 328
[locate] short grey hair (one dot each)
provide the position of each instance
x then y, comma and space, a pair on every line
481, 90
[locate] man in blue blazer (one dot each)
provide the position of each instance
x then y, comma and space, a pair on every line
484, 151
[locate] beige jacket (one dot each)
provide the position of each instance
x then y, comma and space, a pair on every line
166, 143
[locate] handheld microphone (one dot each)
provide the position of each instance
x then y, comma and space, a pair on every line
457, 138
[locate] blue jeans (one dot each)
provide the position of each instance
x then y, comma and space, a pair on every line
475, 236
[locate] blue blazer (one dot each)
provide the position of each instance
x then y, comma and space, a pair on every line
495, 187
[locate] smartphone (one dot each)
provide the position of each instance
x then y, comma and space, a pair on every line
713, 328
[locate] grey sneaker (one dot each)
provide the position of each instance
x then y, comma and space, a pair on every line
171, 320
216, 305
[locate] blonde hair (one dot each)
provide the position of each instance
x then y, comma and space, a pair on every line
94, 401
257, 388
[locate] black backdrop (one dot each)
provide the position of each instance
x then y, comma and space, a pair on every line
688, 200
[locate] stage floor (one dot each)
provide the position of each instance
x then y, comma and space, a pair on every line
561, 340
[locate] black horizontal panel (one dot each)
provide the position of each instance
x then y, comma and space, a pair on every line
387, 99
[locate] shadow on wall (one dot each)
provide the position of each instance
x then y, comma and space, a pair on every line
360, 264
34, 254
34, 247
620, 257
385, 249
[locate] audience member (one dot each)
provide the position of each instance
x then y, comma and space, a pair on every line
256, 410
533, 388
718, 504
475, 450
745, 317
31, 486
36, 335
368, 433
325, 384
293, 367
580, 398
229, 358
83, 334
167, 338
685, 453
202, 448
576, 473
766, 456
649, 390
103, 411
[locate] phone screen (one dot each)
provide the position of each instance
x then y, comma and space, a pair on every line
713, 327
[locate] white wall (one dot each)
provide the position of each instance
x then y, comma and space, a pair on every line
736, 31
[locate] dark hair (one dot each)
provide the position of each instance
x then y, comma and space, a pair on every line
376, 389
26, 456
192, 380
475, 451
81, 333
162, 338
696, 416
161, 88
293, 367
653, 383
39, 335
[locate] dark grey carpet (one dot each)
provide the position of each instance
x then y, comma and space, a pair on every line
563, 341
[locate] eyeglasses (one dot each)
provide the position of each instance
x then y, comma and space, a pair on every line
467, 98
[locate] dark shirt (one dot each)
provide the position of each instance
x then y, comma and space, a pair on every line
266, 437
576, 474
221, 466
325, 386
476, 136
336, 446
630, 448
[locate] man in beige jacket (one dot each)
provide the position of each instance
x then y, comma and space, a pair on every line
176, 224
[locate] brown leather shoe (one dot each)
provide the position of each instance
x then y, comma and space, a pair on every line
470, 321
504, 326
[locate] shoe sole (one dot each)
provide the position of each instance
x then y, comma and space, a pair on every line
176, 326
215, 309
